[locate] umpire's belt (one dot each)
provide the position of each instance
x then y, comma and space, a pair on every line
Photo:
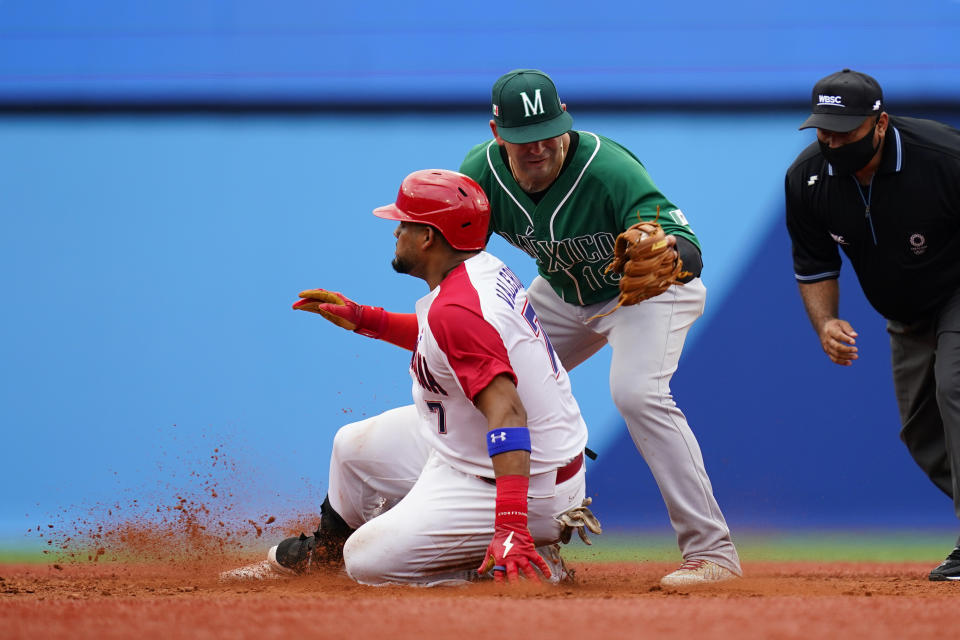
542, 485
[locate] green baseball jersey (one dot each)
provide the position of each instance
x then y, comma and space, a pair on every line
572, 230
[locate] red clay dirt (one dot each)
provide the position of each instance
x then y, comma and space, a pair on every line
113, 599
146, 566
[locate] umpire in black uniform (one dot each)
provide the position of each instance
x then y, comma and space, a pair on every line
886, 190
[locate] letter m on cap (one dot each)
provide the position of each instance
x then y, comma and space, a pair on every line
532, 108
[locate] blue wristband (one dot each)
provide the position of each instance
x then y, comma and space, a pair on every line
508, 439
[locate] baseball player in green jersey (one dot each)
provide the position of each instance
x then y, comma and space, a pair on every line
563, 196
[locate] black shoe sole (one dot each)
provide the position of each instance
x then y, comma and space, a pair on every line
939, 578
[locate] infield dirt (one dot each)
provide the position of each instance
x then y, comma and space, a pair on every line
147, 566
607, 600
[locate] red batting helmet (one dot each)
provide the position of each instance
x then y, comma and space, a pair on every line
450, 202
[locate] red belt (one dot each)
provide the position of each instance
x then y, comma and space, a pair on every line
570, 470
564, 473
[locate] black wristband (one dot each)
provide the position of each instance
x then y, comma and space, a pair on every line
692, 260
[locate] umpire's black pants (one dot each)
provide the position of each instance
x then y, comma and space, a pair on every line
926, 376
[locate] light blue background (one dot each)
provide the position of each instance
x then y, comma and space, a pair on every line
149, 262
153, 262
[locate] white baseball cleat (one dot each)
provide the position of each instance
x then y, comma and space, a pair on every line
697, 572
268, 569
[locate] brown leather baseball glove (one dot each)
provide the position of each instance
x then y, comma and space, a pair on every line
648, 261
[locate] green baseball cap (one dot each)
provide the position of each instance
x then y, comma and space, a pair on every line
526, 107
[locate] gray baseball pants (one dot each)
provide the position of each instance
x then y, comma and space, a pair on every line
926, 377
647, 340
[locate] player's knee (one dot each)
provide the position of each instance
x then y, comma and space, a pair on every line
639, 395
341, 443
349, 440
365, 561
355, 561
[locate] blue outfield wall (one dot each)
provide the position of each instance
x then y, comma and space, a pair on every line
746, 52
149, 347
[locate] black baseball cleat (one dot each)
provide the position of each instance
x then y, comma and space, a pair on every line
301, 554
949, 569
324, 548
297, 554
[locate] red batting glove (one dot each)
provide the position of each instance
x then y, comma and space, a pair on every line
511, 550
342, 311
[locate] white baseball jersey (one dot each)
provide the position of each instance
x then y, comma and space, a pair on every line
476, 325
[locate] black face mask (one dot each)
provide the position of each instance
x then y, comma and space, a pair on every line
851, 157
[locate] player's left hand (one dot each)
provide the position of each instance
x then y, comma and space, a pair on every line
332, 305
648, 261
511, 552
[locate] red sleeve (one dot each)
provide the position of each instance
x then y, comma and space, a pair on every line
474, 348
400, 329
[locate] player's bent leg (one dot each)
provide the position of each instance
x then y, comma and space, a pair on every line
644, 361
438, 534
374, 463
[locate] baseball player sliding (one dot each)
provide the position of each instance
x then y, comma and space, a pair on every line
484, 472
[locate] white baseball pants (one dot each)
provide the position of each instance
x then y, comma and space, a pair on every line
420, 521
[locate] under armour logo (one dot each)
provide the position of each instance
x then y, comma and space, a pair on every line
502, 436
812, 180
876, 105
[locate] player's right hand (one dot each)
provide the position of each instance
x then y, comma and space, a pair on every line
334, 306
838, 338
511, 552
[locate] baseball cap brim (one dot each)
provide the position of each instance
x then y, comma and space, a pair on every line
552, 128
391, 212
833, 122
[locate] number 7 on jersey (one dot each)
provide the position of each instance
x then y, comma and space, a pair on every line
531, 317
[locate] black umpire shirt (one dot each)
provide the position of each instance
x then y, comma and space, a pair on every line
901, 233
